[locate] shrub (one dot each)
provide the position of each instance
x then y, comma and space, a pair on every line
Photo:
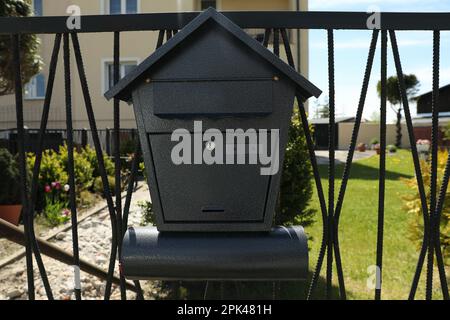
98, 185
374, 141
90, 155
10, 193
51, 169
296, 186
148, 216
413, 207
56, 214
82, 167
391, 148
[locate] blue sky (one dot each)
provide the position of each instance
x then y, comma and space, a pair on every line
351, 49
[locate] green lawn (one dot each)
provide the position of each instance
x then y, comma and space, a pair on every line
358, 229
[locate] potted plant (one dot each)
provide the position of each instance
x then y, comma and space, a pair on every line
377, 148
361, 147
423, 145
10, 194
373, 143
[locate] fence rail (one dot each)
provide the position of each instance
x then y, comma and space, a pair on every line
246, 20
278, 24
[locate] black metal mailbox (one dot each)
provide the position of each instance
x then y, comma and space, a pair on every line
281, 254
221, 93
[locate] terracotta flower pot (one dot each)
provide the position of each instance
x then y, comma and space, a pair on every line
377, 148
11, 213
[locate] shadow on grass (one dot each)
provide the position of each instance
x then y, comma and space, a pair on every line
238, 290
362, 172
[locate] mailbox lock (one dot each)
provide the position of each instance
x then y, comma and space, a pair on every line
275, 78
148, 80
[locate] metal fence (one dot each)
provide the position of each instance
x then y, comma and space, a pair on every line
55, 138
276, 26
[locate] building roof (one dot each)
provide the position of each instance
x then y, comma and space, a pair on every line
446, 87
327, 120
122, 90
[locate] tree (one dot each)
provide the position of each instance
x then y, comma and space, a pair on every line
375, 117
395, 99
29, 47
322, 109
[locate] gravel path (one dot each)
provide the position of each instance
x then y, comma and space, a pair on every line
94, 243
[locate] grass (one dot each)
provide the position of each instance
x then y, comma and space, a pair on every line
358, 230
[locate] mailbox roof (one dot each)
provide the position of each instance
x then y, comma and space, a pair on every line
122, 90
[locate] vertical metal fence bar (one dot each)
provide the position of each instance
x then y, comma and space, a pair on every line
101, 163
382, 172
267, 34
22, 162
276, 42
436, 231
38, 159
168, 35
117, 160
323, 207
160, 39
287, 46
331, 164
434, 163
415, 155
70, 166
437, 240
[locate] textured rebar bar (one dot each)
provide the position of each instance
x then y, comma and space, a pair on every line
382, 171
70, 160
415, 155
22, 163
434, 164
101, 162
331, 163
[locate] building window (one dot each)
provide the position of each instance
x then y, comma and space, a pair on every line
205, 4
125, 68
35, 89
37, 7
122, 6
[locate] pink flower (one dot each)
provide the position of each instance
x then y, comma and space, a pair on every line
47, 189
53, 185
66, 212
57, 186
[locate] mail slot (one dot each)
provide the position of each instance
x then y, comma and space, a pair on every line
213, 109
212, 97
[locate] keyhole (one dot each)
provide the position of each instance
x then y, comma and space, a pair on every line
210, 146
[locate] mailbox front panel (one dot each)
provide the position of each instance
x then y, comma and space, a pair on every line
208, 193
